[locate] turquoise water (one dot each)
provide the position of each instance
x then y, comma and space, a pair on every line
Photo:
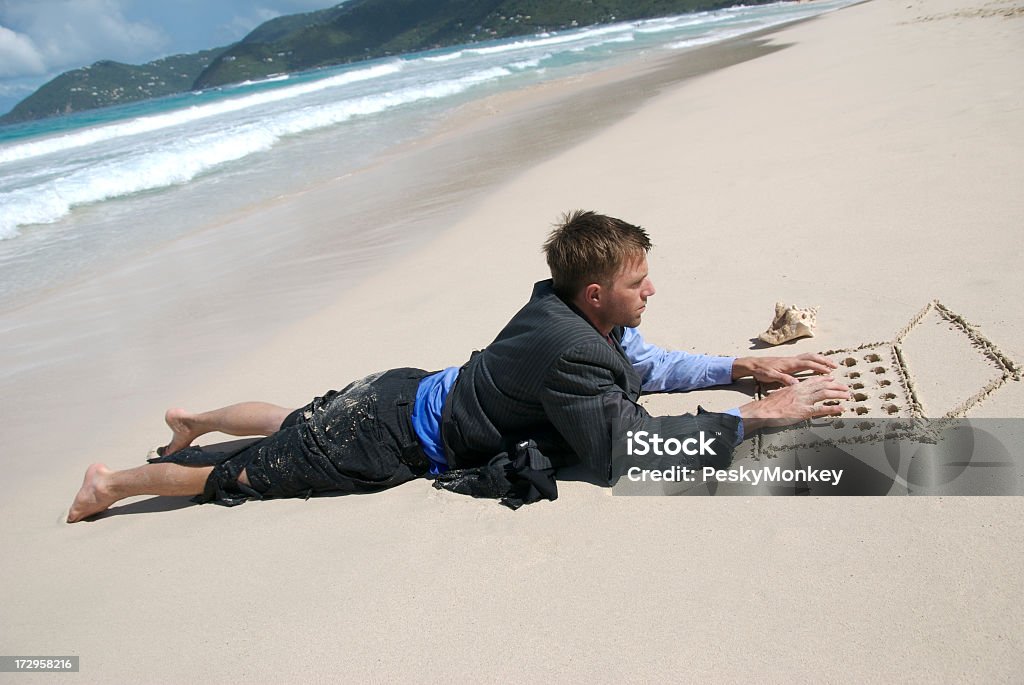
80, 191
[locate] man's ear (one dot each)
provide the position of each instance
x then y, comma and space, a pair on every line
592, 294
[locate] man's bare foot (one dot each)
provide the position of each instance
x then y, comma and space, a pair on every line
182, 428
94, 496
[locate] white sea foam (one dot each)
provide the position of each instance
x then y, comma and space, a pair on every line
156, 122
180, 160
526, 64
702, 40
169, 165
545, 39
673, 24
270, 79
444, 58
721, 35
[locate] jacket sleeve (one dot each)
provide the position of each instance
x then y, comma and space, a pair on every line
585, 399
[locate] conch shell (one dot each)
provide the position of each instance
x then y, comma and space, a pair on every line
790, 323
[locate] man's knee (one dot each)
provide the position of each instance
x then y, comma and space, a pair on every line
289, 417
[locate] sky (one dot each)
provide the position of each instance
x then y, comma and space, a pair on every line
39, 39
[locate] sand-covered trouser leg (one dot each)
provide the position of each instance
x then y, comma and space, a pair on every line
358, 439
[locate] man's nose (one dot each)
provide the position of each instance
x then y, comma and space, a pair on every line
650, 289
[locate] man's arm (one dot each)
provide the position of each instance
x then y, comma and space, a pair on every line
585, 402
664, 370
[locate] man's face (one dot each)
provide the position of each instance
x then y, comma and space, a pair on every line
626, 299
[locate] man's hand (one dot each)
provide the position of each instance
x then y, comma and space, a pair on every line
779, 369
795, 403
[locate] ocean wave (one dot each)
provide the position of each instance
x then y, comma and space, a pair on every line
270, 79
708, 38
444, 58
545, 39
171, 165
673, 23
525, 64
723, 35
180, 161
729, 17
156, 122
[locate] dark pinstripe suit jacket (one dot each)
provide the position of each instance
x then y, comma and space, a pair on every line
551, 376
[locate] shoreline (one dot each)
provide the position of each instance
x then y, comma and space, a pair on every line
479, 122
85, 238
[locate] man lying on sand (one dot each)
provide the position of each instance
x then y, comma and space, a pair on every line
565, 372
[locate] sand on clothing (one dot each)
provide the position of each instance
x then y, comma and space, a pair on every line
868, 163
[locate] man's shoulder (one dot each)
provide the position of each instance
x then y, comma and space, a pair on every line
549, 321
554, 340
545, 299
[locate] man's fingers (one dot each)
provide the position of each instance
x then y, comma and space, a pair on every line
826, 410
818, 367
824, 383
816, 362
827, 395
826, 388
769, 376
815, 382
786, 379
832, 390
801, 388
818, 359
822, 388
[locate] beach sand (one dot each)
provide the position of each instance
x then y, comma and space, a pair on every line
867, 161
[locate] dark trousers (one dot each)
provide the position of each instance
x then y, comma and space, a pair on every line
358, 439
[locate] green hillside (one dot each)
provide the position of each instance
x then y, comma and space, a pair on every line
108, 83
363, 29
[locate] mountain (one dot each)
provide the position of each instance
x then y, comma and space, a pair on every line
364, 29
352, 31
112, 83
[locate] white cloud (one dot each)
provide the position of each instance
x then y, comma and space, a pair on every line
290, 6
242, 24
16, 89
265, 14
70, 33
18, 55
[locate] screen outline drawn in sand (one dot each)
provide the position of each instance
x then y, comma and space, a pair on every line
906, 414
